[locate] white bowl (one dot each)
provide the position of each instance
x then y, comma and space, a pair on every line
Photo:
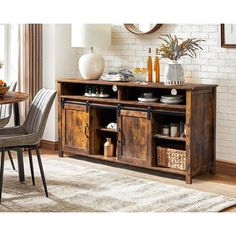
148, 95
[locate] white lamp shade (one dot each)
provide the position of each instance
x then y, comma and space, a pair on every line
90, 35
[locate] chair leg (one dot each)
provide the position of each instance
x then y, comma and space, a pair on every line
41, 170
11, 159
20, 160
1, 172
31, 166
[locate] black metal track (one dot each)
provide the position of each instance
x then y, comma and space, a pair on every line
122, 107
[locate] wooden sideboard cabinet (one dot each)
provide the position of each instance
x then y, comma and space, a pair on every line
83, 120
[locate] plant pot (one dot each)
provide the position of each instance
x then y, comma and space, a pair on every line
174, 73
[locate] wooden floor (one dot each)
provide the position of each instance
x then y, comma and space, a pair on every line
224, 182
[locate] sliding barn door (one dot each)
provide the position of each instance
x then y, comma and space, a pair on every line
75, 129
134, 137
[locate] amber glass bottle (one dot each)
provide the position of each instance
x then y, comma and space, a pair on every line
149, 66
157, 68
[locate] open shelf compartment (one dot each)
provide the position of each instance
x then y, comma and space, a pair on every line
100, 118
133, 93
79, 89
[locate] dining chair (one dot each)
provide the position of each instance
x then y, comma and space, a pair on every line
5, 115
29, 134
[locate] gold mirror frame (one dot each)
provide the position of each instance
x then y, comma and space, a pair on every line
133, 29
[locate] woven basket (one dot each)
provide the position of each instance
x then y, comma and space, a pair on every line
172, 158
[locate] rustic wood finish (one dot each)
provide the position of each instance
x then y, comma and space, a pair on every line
75, 132
60, 150
160, 85
82, 122
13, 97
134, 143
159, 105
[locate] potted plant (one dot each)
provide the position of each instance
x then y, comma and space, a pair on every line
175, 48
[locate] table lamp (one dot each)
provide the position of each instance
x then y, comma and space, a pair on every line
91, 65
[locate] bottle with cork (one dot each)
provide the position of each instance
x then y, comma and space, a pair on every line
149, 66
157, 67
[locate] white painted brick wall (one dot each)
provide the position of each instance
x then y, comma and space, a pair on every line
213, 65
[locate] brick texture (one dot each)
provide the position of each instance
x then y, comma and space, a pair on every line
213, 65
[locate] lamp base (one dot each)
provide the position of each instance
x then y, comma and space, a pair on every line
91, 66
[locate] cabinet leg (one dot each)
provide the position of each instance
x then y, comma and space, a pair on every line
60, 153
213, 170
188, 179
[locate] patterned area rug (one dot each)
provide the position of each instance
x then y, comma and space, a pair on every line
75, 188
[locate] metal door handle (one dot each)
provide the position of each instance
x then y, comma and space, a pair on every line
119, 135
86, 130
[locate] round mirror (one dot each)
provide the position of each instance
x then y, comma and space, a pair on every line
141, 29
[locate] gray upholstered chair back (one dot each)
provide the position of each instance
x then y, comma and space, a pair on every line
6, 110
37, 116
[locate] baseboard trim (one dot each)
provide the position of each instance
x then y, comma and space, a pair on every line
226, 161
49, 145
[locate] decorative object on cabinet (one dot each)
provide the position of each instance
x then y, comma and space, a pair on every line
142, 29
228, 35
172, 99
166, 130
174, 130
149, 66
112, 125
96, 92
123, 75
147, 97
83, 124
108, 148
91, 65
140, 71
171, 158
174, 49
174, 73
143, 99
157, 67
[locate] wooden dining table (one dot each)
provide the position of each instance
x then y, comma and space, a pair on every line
15, 98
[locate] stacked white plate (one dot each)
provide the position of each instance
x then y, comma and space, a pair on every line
172, 99
148, 99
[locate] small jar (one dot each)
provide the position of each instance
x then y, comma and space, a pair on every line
166, 130
174, 130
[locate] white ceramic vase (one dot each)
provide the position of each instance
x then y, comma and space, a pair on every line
174, 73
91, 66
